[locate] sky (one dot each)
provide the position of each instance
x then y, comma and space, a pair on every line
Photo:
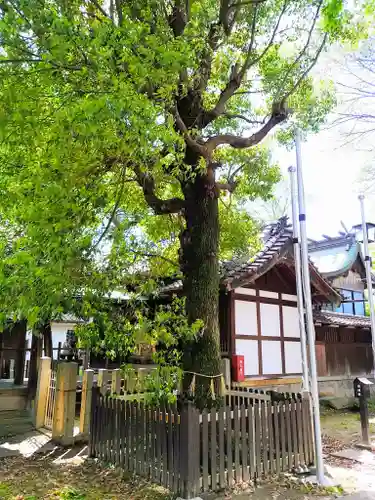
333, 166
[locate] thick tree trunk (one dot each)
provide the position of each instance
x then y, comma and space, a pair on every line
199, 263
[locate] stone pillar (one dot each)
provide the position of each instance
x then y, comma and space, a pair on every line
44, 377
85, 414
65, 403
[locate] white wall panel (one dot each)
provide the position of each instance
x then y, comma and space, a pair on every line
249, 349
245, 317
293, 362
291, 322
245, 291
271, 357
270, 295
287, 296
270, 320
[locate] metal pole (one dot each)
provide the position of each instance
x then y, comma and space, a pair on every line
298, 268
368, 265
309, 317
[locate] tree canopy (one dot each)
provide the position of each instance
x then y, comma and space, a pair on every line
134, 130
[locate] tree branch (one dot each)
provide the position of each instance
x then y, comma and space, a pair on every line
307, 70
193, 144
160, 207
306, 46
237, 75
242, 117
155, 256
100, 9
279, 114
178, 19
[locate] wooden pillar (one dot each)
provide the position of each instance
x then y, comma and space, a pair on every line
103, 378
116, 381
44, 377
85, 414
35, 355
65, 403
19, 369
47, 339
189, 454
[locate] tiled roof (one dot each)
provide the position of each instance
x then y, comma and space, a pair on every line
340, 319
277, 239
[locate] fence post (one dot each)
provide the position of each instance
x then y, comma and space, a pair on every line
44, 377
65, 403
85, 414
103, 377
116, 382
190, 451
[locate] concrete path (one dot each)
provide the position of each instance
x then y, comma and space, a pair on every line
14, 422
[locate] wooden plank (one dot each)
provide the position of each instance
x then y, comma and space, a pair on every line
309, 430
244, 445
236, 418
122, 434
153, 443
300, 432
141, 438
129, 435
176, 450
205, 438
251, 441
158, 446
276, 426
282, 421
294, 432
170, 448
221, 448
110, 430
213, 450
258, 432
229, 446
271, 438
288, 435
263, 418
164, 428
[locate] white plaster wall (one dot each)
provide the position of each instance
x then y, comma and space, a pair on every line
287, 296
270, 295
293, 361
245, 291
270, 320
249, 349
245, 318
271, 357
291, 322
59, 331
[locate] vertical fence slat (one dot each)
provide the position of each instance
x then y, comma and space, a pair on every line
250, 432
258, 458
300, 432
309, 425
229, 445
130, 435
153, 443
158, 447
282, 419
141, 438
263, 417
213, 448
236, 418
165, 446
294, 432
271, 437
205, 438
122, 432
288, 434
221, 448
276, 426
176, 450
170, 448
244, 446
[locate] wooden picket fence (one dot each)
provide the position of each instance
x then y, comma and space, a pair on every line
190, 452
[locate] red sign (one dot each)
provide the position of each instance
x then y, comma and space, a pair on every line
238, 368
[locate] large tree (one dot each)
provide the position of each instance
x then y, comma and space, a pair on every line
158, 108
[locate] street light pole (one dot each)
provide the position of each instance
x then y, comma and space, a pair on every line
368, 275
309, 317
298, 268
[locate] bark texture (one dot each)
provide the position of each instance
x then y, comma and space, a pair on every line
199, 264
